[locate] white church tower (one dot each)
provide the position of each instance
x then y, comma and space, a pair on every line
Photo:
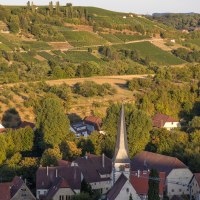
121, 160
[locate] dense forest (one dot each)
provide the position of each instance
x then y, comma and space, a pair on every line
186, 21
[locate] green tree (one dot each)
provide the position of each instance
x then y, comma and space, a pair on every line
195, 123
14, 24
86, 145
51, 120
69, 150
28, 5
51, 156
153, 191
138, 126
81, 196
23, 138
3, 148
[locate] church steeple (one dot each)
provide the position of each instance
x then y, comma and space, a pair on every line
121, 160
121, 149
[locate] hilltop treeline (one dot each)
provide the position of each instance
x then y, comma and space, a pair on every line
179, 21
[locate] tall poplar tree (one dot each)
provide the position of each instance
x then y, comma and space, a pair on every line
52, 121
153, 192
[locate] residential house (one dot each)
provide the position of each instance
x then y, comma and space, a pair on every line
87, 126
165, 121
93, 123
15, 190
178, 175
122, 189
2, 128
195, 186
96, 170
140, 182
79, 129
58, 183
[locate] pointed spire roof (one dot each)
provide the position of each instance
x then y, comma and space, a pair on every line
121, 149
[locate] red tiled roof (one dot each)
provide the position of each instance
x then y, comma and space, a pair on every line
147, 160
117, 187
159, 120
2, 128
197, 177
58, 183
97, 121
141, 184
25, 124
92, 166
5, 191
64, 163
8, 190
16, 184
45, 180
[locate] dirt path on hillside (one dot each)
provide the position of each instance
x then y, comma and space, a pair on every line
97, 79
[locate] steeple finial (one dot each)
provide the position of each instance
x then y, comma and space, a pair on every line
121, 149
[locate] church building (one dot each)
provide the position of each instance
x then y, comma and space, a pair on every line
121, 188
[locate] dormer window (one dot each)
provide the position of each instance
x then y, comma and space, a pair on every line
121, 167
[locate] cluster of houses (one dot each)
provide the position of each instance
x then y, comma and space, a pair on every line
116, 179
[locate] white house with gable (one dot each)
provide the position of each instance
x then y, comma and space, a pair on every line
178, 175
195, 186
165, 121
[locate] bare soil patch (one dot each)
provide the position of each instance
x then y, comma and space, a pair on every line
80, 27
60, 45
40, 58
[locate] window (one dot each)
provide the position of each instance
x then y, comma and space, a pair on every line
172, 190
180, 190
61, 197
127, 190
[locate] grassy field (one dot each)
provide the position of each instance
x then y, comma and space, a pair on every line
80, 105
46, 55
126, 38
194, 41
80, 56
154, 53
29, 58
111, 38
83, 38
4, 47
6, 42
35, 45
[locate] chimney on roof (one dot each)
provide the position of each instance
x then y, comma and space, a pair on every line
47, 171
138, 174
103, 160
56, 173
145, 163
75, 174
